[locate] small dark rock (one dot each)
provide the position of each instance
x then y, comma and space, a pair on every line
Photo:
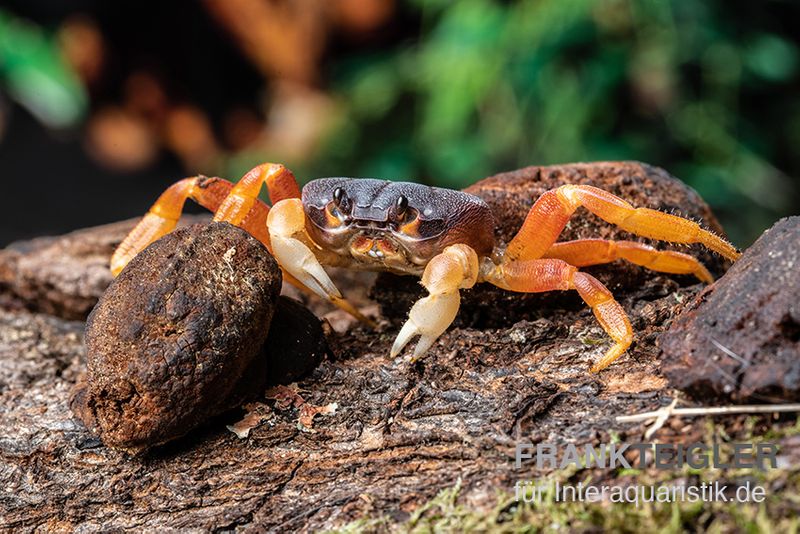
740, 338
511, 195
296, 342
172, 337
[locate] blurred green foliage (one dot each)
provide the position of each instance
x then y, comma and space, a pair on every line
706, 89
34, 74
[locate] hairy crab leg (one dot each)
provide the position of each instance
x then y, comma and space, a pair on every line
456, 267
164, 214
534, 276
550, 213
585, 252
280, 182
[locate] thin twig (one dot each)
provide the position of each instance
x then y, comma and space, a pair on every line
662, 418
709, 410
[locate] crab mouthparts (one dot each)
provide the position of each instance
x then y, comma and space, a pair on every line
374, 247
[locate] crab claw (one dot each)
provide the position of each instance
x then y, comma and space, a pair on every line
429, 318
294, 256
456, 267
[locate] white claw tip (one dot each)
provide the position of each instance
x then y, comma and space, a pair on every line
406, 334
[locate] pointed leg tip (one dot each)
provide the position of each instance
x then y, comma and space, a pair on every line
705, 277
599, 366
613, 354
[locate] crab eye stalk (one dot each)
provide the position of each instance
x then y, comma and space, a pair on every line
400, 207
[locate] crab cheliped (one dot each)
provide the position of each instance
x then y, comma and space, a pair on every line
442, 235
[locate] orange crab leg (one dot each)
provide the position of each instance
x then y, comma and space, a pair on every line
281, 184
549, 215
164, 214
237, 204
534, 276
339, 302
585, 252
241, 208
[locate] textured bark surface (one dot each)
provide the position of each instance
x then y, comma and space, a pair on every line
740, 338
401, 432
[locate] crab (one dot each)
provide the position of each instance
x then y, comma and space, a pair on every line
444, 236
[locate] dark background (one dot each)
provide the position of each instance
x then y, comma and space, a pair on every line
104, 104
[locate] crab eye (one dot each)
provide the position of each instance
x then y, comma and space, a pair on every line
341, 201
338, 196
400, 206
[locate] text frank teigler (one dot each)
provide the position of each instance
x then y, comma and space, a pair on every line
697, 456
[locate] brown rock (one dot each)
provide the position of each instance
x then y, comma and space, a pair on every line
63, 276
511, 195
740, 338
294, 347
172, 337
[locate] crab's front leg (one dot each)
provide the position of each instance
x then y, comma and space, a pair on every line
454, 268
290, 246
285, 225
